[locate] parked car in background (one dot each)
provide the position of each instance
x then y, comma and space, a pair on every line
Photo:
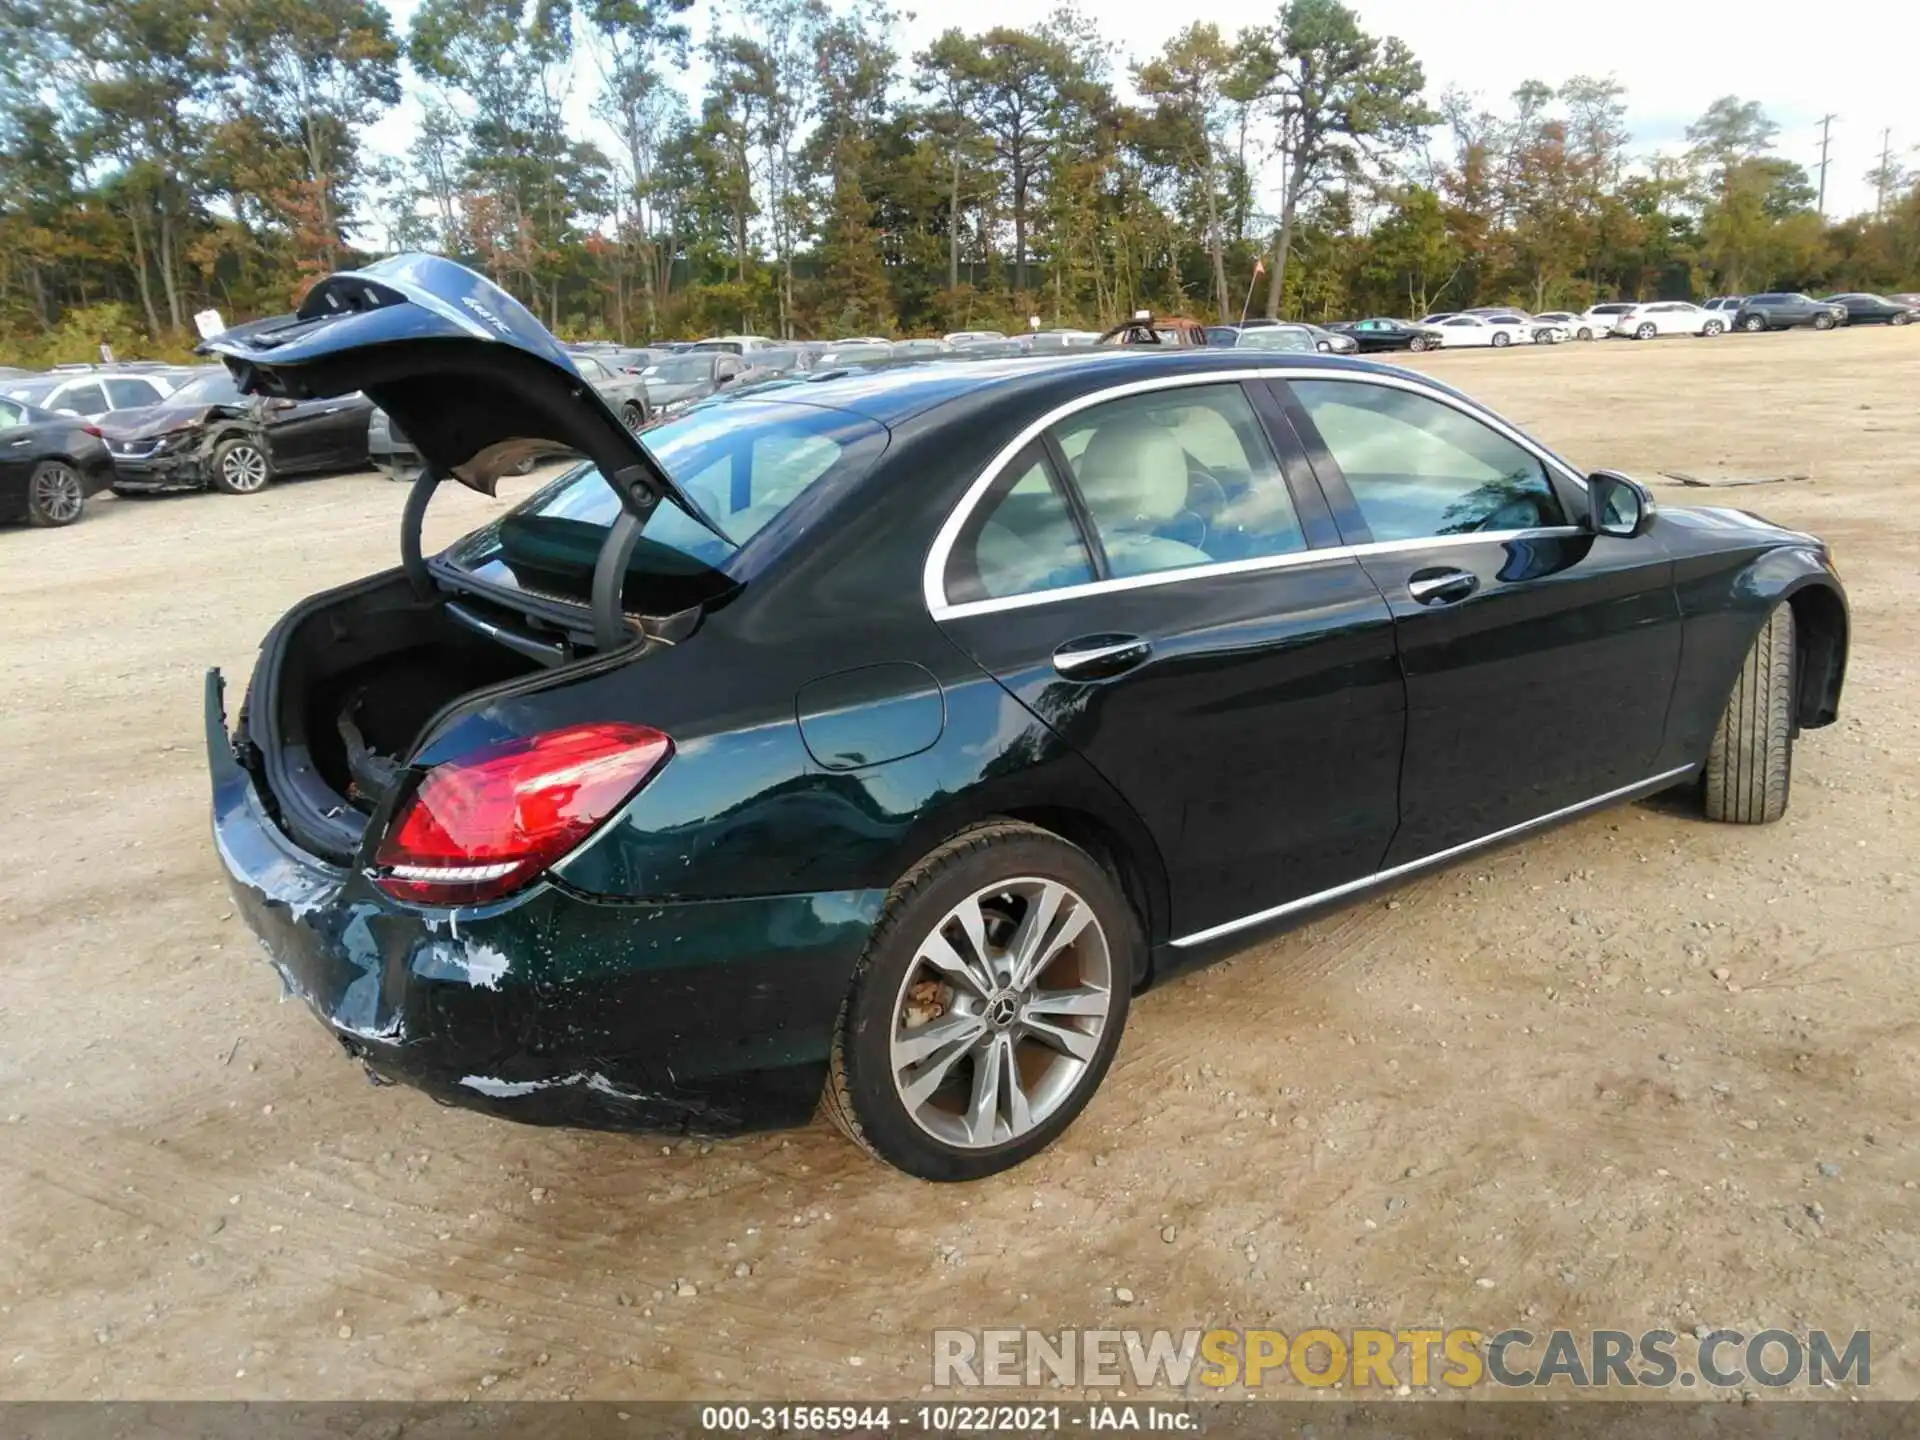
1727, 307
1329, 342
209, 435
1382, 335
679, 380
50, 465
624, 391
631, 358
965, 337
1668, 317
929, 720
1048, 342
1437, 316
1146, 328
1292, 339
1469, 331
1539, 331
1784, 310
928, 348
1596, 321
735, 344
1866, 309
1906, 297
91, 393
840, 355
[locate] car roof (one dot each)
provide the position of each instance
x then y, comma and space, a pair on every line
892, 396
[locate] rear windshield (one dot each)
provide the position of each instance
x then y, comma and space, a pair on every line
747, 463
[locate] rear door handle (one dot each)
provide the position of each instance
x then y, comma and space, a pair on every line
1442, 587
1099, 657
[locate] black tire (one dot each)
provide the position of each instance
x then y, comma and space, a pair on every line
1824, 322
863, 1097
1750, 763
241, 467
1325, 347
1900, 319
56, 495
1754, 324
1584, 333
1501, 340
1712, 327
633, 415
1417, 344
1646, 330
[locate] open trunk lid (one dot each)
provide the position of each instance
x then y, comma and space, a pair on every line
478, 385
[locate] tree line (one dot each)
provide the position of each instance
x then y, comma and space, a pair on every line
160, 156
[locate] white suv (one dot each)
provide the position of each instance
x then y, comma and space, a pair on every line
92, 393
1668, 317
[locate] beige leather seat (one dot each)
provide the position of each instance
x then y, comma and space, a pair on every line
1134, 476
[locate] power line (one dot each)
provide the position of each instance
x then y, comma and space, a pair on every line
1826, 121
1885, 176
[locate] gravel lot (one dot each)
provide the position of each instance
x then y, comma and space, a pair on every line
1641, 1072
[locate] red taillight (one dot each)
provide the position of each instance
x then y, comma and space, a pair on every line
482, 826
95, 431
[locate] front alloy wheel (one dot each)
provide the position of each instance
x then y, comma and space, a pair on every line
1646, 331
240, 468
55, 495
1753, 324
1824, 322
1712, 327
988, 1005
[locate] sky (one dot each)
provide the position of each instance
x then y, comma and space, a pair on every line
1674, 59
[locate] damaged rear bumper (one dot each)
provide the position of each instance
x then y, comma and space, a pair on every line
552, 1007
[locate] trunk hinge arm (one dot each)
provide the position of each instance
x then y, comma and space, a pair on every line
411, 520
610, 628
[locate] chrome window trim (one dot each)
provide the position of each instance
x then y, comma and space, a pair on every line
933, 573
1439, 857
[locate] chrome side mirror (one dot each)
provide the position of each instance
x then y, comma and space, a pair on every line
1617, 505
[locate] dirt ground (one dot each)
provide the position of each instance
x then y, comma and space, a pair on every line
1591, 1081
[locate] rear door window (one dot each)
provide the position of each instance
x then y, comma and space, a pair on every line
126, 394
88, 399
1020, 539
1180, 477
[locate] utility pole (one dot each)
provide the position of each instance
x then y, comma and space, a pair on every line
1885, 177
1826, 121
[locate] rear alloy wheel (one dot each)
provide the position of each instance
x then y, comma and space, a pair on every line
1712, 327
1823, 322
1325, 347
1501, 340
987, 1006
240, 468
1646, 330
1900, 319
55, 495
634, 416
1584, 333
1750, 763
1417, 344
1753, 324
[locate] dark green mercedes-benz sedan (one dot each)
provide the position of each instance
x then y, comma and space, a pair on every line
875, 737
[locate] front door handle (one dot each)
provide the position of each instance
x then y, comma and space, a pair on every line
1442, 587
1099, 657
